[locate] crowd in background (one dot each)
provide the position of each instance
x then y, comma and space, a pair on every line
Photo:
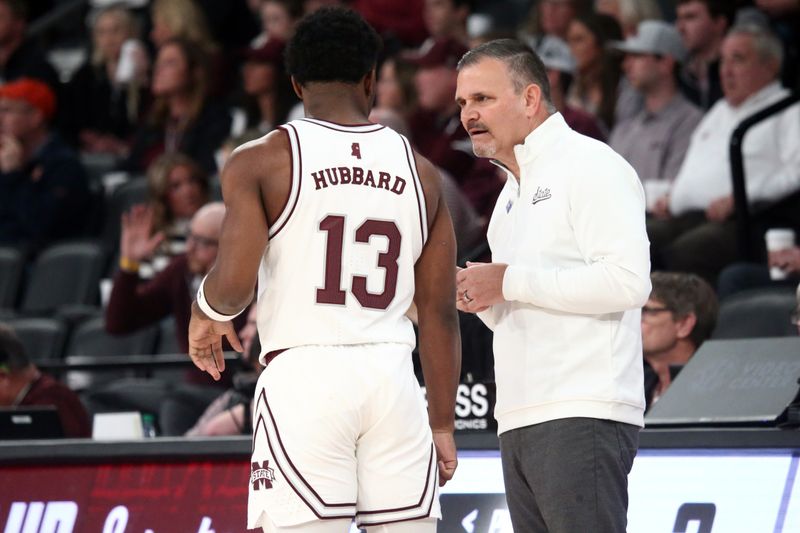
153, 96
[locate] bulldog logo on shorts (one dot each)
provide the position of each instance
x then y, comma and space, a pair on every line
261, 475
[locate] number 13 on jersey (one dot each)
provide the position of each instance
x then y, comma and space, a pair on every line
332, 291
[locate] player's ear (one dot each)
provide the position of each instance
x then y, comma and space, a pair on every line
370, 82
298, 89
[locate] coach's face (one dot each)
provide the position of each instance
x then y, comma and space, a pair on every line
494, 113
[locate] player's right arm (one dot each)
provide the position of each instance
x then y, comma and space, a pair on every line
439, 337
255, 184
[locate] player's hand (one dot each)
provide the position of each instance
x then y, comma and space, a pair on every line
446, 457
479, 286
205, 342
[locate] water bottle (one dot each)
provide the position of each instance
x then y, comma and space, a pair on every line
148, 426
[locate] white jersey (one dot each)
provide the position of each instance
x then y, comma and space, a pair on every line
339, 268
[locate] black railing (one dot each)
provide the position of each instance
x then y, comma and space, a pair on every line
743, 219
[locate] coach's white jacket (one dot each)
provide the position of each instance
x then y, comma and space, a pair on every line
567, 341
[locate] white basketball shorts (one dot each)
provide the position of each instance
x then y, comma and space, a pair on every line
341, 432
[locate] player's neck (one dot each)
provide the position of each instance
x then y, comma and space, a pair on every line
341, 107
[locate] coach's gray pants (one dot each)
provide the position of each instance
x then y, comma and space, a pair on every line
569, 475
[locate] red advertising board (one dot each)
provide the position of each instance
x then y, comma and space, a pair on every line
125, 498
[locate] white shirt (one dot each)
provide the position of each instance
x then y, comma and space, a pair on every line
771, 151
567, 341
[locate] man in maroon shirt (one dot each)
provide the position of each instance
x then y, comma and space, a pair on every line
22, 384
135, 304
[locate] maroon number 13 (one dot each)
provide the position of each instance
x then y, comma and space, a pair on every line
332, 292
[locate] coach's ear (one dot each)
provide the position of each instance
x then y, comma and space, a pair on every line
533, 99
298, 89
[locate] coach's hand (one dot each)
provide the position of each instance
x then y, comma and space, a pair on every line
205, 342
445, 455
479, 286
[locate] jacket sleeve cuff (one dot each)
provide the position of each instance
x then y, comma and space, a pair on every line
516, 284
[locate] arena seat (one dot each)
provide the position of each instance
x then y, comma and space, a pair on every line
757, 313
64, 274
122, 199
11, 264
90, 338
43, 338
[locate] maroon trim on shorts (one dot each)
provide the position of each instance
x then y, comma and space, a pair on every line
399, 509
263, 396
299, 181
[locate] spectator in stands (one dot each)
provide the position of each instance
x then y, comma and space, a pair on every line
267, 87
598, 88
180, 19
20, 58
447, 19
698, 233
176, 188
108, 94
629, 13
553, 18
678, 317
278, 18
655, 140
560, 65
396, 90
185, 20
742, 276
135, 304
44, 192
702, 25
183, 118
22, 384
393, 19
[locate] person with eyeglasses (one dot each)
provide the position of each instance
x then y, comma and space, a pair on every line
678, 317
135, 303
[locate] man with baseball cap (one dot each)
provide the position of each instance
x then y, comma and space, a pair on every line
655, 140
44, 191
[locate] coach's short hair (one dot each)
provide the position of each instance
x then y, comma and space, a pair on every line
522, 62
332, 45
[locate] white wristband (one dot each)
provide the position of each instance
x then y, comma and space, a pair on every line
206, 308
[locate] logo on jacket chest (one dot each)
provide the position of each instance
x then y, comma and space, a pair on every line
540, 195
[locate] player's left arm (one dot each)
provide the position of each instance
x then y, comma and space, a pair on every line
230, 284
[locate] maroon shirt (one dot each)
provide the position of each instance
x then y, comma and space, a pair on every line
47, 391
134, 304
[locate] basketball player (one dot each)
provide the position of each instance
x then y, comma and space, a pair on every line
357, 231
